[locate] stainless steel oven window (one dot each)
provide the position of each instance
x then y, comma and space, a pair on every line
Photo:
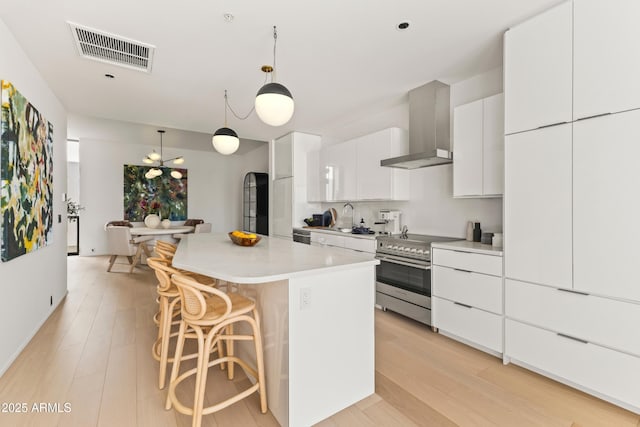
413, 279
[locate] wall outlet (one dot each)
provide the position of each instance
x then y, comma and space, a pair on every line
51, 300
305, 298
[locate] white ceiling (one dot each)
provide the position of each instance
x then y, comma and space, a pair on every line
342, 60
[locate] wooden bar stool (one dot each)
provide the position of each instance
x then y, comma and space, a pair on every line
169, 302
211, 314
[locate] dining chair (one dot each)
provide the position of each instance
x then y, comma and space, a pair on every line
203, 227
121, 243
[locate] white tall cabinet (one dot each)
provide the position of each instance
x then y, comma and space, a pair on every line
537, 211
606, 204
537, 71
288, 189
572, 293
605, 56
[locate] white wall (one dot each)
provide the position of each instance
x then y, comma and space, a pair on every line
431, 208
214, 181
30, 281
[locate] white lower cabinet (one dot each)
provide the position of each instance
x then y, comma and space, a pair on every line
604, 321
466, 302
343, 241
467, 322
607, 373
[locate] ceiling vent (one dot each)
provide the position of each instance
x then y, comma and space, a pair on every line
116, 50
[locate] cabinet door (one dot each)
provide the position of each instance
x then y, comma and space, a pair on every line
282, 223
537, 223
467, 149
283, 157
374, 181
606, 206
538, 71
339, 161
493, 145
606, 59
314, 188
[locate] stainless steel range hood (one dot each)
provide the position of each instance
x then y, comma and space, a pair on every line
429, 131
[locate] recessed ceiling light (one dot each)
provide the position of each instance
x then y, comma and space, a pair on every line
403, 25
228, 17
110, 76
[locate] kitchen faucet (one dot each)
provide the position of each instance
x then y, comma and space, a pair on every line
344, 208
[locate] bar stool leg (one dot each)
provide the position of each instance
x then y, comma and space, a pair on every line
257, 339
175, 369
230, 352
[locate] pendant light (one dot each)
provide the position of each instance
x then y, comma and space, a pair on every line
225, 140
154, 157
274, 103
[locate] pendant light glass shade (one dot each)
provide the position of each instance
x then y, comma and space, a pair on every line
225, 141
274, 104
154, 156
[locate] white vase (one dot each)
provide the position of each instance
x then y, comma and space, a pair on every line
152, 221
166, 223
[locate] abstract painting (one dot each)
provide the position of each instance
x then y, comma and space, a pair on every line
164, 195
26, 183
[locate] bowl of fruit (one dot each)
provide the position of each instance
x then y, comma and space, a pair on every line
244, 239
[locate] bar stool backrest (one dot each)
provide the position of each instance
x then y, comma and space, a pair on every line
194, 303
163, 270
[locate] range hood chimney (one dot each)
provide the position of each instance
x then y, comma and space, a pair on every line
429, 131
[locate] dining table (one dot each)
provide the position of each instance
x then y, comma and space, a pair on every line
160, 231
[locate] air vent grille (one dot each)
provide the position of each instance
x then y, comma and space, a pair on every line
116, 50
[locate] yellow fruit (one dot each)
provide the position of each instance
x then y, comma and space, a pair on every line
251, 236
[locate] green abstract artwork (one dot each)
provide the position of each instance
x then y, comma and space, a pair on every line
163, 195
26, 175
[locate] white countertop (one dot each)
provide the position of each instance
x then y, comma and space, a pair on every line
215, 255
459, 245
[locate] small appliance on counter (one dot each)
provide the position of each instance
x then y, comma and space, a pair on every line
391, 221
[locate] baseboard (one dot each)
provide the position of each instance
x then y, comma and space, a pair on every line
30, 336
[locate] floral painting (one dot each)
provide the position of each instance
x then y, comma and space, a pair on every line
163, 195
26, 183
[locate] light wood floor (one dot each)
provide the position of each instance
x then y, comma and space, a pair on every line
94, 352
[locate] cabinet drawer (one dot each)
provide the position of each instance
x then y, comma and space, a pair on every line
487, 264
363, 245
596, 368
469, 323
476, 289
600, 320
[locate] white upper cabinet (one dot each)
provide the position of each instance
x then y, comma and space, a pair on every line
467, 149
283, 157
338, 165
538, 71
478, 148
606, 57
375, 182
537, 222
493, 145
606, 205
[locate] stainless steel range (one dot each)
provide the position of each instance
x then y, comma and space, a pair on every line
403, 278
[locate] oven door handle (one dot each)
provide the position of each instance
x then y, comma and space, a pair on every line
407, 264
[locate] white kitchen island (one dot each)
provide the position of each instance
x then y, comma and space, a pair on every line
317, 308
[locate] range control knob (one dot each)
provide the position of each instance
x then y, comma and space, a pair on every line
414, 250
389, 246
395, 248
420, 251
407, 249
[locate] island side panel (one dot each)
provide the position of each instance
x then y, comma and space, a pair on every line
272, 301
331, 342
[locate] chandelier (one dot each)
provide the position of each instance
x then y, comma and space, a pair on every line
154, 157
273, 104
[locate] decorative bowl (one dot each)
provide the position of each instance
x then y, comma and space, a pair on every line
152, 221
244, 241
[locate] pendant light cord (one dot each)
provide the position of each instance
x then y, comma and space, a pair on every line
266, 75
275, 41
